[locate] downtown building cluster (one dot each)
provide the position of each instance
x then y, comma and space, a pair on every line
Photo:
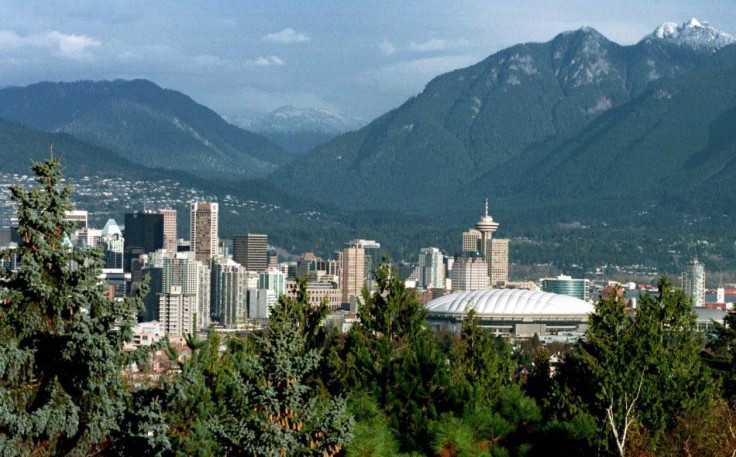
481, 263
189, 285
231, 284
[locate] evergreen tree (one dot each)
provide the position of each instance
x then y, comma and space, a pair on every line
274, 406
195, 396
636, 373
393, 355
61, 340
482, 363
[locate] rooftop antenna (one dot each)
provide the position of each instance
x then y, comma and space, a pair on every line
51, 150
486, 207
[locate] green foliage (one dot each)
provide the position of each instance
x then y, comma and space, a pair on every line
272, 410
61, 340
373, 436
578, 437
643, 369
394, 356
195, 396
258, 396
482, 364
722, 355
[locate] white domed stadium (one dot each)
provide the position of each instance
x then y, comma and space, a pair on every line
512, 312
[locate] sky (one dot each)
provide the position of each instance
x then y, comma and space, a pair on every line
355, 58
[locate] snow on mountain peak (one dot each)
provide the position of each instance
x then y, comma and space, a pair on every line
694, 34
695, 23
293, 119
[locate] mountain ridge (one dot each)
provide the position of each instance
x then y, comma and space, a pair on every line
470, 121
158, 128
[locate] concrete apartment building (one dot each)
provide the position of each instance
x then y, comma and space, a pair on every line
204, 230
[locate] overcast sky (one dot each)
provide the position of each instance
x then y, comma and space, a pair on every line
356, 58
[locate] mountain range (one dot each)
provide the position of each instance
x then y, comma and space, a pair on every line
138, 120
578, 117
574, 141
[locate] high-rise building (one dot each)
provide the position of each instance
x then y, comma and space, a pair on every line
78, 217
155, 287
431, 269
408, 271
317, 292
260, 302
693, 282
471, 240
499, 262
176, 311
179, 269
144, 232
352, 272
720, 295
9, 235
566, 285
273, 279
371, 258
113, 245
228, 293
170, 234
251, 251
203, 228
469, 272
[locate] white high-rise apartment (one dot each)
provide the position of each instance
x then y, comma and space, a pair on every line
228, 293
273, 279
431, 269
176, 311
469, 272
193, 277
693, 282
203, 230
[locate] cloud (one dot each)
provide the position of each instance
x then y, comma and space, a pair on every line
386, 48
413, 75
72, 46
267, 61
437, 44
286, 36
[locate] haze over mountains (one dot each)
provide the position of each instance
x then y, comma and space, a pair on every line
578, 129
144, 123
297, 130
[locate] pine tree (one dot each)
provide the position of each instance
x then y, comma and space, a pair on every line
275, 407
638, 373
393, 355
61, 340
482, 362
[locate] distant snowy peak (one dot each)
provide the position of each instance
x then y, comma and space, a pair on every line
292, 119
694, 34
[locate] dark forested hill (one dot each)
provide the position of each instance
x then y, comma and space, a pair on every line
145, 124
20, 144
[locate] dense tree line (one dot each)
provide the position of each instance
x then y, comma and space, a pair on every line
643, 384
